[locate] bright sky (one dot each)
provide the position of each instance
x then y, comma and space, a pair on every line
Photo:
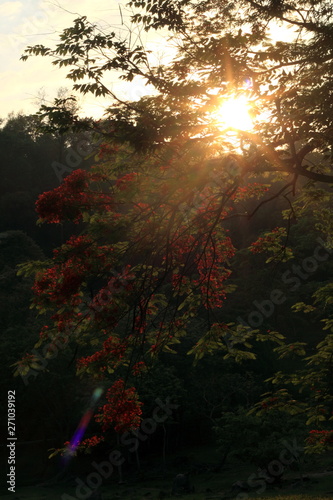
30, 22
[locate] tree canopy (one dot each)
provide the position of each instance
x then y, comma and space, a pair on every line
173, 176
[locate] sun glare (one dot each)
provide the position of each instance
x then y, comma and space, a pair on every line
235, 113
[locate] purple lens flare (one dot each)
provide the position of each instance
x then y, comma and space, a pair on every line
84, 422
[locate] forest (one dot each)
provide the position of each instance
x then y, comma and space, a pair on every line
166, 270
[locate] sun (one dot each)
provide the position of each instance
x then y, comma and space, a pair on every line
235, 113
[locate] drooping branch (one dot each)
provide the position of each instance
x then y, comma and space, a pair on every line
273, 197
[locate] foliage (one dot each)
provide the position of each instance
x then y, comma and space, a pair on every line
155, 251
257, 439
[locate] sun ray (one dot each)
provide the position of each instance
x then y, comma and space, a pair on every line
235, 113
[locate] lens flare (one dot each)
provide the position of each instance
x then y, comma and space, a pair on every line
248, 83
84, 422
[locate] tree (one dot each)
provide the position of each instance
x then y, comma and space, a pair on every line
260, 440
172, 176
33, 161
